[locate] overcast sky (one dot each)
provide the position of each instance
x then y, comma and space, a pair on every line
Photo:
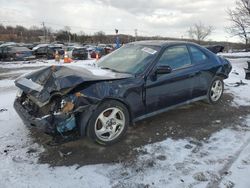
169, 18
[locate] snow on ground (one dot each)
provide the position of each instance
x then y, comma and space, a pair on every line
221, 161
237, 84
39, 63
240, 169
236, 55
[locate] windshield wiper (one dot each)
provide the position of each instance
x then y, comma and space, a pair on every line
107, 68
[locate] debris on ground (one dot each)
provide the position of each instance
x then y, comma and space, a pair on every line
64, 154
3, 110
188, 146
32, 150
200, 176
236, 84
234, 72
217, 121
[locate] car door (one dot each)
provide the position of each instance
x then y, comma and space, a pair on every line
204, 65
41, 52
6, 51
1, 53
164, 90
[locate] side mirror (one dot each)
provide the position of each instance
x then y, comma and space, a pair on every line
163, 69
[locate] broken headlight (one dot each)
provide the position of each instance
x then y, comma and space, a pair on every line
19, 93
68, 103
72, 102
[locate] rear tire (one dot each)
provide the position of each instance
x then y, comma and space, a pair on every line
215, 91
108, 123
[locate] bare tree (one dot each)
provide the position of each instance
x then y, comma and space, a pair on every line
200, 32
99, 36
240, 19
67, 29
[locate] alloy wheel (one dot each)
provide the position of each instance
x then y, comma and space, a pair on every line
109, 124
216, 90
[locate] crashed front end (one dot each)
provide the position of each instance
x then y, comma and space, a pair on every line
56, 117
48, 98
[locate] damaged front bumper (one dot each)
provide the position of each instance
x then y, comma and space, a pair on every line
45, 124
52, 124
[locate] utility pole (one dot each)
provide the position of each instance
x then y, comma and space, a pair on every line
21, 36
44, 31
117, 39
136, 34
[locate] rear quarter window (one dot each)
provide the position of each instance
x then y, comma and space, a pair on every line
197, 55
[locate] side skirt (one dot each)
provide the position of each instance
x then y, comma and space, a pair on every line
168, 108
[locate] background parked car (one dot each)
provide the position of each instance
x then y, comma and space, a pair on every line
46, 51
91, 50
51, 51
28, 45
79, 53
18, 53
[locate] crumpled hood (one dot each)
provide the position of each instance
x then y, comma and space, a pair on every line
40, 84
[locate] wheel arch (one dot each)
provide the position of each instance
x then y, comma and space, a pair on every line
221, 75
85, 116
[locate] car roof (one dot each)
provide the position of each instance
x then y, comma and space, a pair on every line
19, 48
161, 43
79, 47
8, 44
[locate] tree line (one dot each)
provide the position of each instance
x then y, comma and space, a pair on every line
198, 32
20, 33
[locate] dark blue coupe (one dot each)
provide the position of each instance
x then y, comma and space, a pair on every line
139, 80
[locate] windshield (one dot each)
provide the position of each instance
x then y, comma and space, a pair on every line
70, 48
20, 49
129, 59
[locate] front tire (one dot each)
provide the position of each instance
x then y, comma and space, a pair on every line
108, 123
216, 90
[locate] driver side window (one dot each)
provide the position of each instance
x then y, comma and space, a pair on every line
176, 57
41, 50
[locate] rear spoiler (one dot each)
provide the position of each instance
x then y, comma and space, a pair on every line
215, 48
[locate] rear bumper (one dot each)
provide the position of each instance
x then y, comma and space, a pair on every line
45, 124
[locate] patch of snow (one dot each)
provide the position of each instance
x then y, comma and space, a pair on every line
238, 175
172, 163
13, 72
237, 84
235, 55
39, 63
6, 83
